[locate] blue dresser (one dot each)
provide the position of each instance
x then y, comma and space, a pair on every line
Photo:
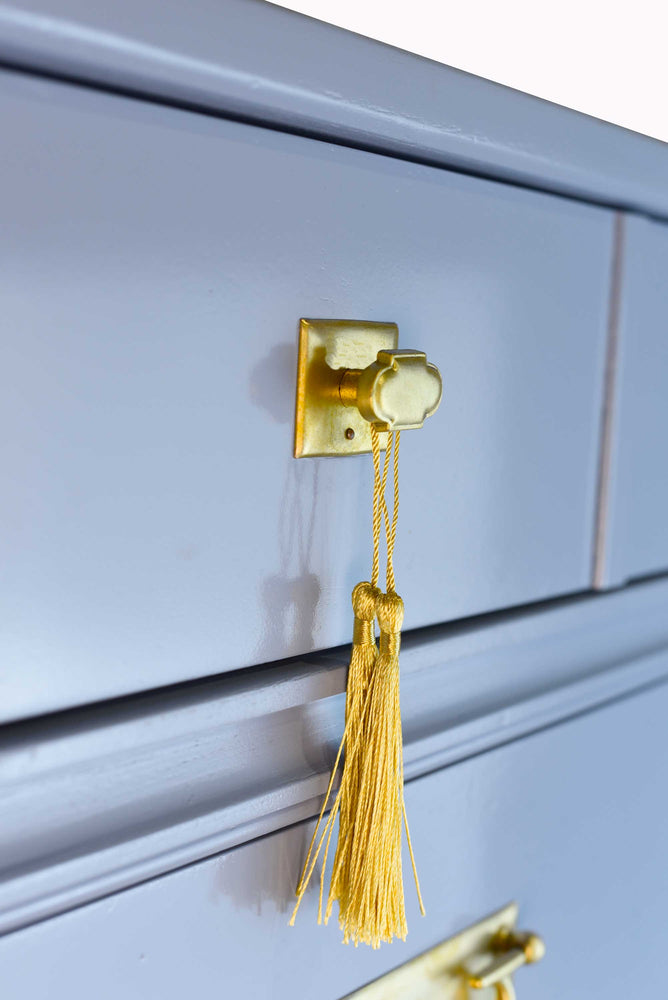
180, 185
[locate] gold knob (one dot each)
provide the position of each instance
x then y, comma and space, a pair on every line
512, 950
350, 376
397, 392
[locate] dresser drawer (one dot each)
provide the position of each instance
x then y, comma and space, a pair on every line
637, 525
568, 822
154, 266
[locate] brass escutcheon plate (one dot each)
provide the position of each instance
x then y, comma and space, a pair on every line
322, 425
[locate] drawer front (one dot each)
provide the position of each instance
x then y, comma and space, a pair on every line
154, 265
637, 535
568, 822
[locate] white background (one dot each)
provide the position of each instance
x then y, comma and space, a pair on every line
608, 59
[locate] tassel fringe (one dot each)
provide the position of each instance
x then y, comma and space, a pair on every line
362, 661
375, 910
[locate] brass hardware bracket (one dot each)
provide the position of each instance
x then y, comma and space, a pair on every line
327, 348
350, 375
476, 964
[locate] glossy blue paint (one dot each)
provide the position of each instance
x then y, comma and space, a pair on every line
636, 539
567, 821
116, 794
255, 60
155, 264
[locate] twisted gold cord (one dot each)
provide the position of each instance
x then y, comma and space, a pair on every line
391, 529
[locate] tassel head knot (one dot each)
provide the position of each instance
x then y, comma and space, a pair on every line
364, 601
390, 612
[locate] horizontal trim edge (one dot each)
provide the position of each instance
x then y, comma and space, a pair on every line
268, 65
105, 797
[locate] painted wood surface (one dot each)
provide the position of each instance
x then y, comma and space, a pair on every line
102, 798
154, 263
636, 534
154, 266
570, 822
253, 60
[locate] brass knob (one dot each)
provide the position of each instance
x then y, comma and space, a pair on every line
351, 376
512, 949
397, 392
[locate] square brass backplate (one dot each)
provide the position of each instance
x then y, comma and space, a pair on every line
323, 425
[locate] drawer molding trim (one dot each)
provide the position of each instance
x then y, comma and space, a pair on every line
610, 410
263, 64
119, 793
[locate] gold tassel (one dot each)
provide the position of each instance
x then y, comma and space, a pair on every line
367, 875
362, 660
362, 663
375, 910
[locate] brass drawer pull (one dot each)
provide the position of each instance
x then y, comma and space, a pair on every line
515, 949
482, 957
